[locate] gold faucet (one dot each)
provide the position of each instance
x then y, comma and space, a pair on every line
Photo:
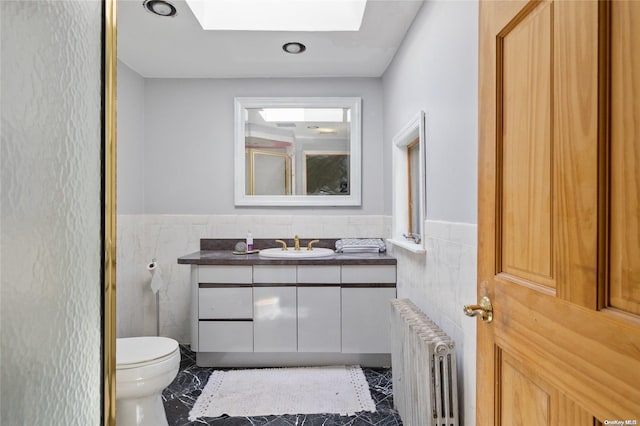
311, 243
284, 244
296, 243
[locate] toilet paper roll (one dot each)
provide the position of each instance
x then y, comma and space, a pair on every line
156, 276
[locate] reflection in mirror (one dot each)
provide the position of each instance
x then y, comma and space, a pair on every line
326, 173
297, 151
274, 170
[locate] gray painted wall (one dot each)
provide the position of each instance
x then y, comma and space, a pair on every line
436, 70
189, 141
130, 141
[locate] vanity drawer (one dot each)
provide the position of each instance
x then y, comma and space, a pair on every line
225, 336
320, 274
225, 302
274, 274
363, 274
223, 274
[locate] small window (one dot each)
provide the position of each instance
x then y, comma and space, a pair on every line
409, 203
413, 175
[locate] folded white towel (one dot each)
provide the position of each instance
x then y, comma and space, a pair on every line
365, 245
360, 249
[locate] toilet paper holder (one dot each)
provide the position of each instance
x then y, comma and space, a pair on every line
153, 269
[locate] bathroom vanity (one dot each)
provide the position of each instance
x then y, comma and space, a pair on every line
251, 311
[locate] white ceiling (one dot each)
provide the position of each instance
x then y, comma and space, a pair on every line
178, 47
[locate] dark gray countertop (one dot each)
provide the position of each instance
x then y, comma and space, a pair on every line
226, 257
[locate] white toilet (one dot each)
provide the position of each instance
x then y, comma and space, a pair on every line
144, 367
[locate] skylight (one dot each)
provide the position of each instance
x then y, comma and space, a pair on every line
279, 15
317, 115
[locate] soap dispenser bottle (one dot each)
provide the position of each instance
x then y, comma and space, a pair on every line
249, 242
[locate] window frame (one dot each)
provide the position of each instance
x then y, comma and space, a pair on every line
403, 141
410, 185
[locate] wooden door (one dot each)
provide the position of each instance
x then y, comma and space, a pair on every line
559, 207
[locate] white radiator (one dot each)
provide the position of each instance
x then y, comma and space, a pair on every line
423, 367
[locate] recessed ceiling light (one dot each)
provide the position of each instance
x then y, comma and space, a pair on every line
160, 7
294, 47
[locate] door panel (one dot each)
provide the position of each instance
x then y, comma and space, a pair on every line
624, 276
575, 156
571, 413
522, 401
526, 399
579, 352
559, 227
525, 146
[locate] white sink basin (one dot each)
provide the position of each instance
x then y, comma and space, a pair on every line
303, 253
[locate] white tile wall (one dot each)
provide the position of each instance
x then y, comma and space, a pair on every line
167, 237
440, 282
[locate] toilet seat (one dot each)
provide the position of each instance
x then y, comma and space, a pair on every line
136, 352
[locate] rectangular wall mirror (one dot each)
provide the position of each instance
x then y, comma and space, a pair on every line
298, 151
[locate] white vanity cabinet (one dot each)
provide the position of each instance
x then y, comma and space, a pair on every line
288, 314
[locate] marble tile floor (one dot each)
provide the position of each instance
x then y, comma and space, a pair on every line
180, 396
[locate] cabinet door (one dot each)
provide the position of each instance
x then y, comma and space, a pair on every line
365, 320
274, 319
319, 319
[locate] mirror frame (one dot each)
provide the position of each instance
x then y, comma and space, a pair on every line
355, 152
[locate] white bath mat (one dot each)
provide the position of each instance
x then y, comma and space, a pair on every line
275, 391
